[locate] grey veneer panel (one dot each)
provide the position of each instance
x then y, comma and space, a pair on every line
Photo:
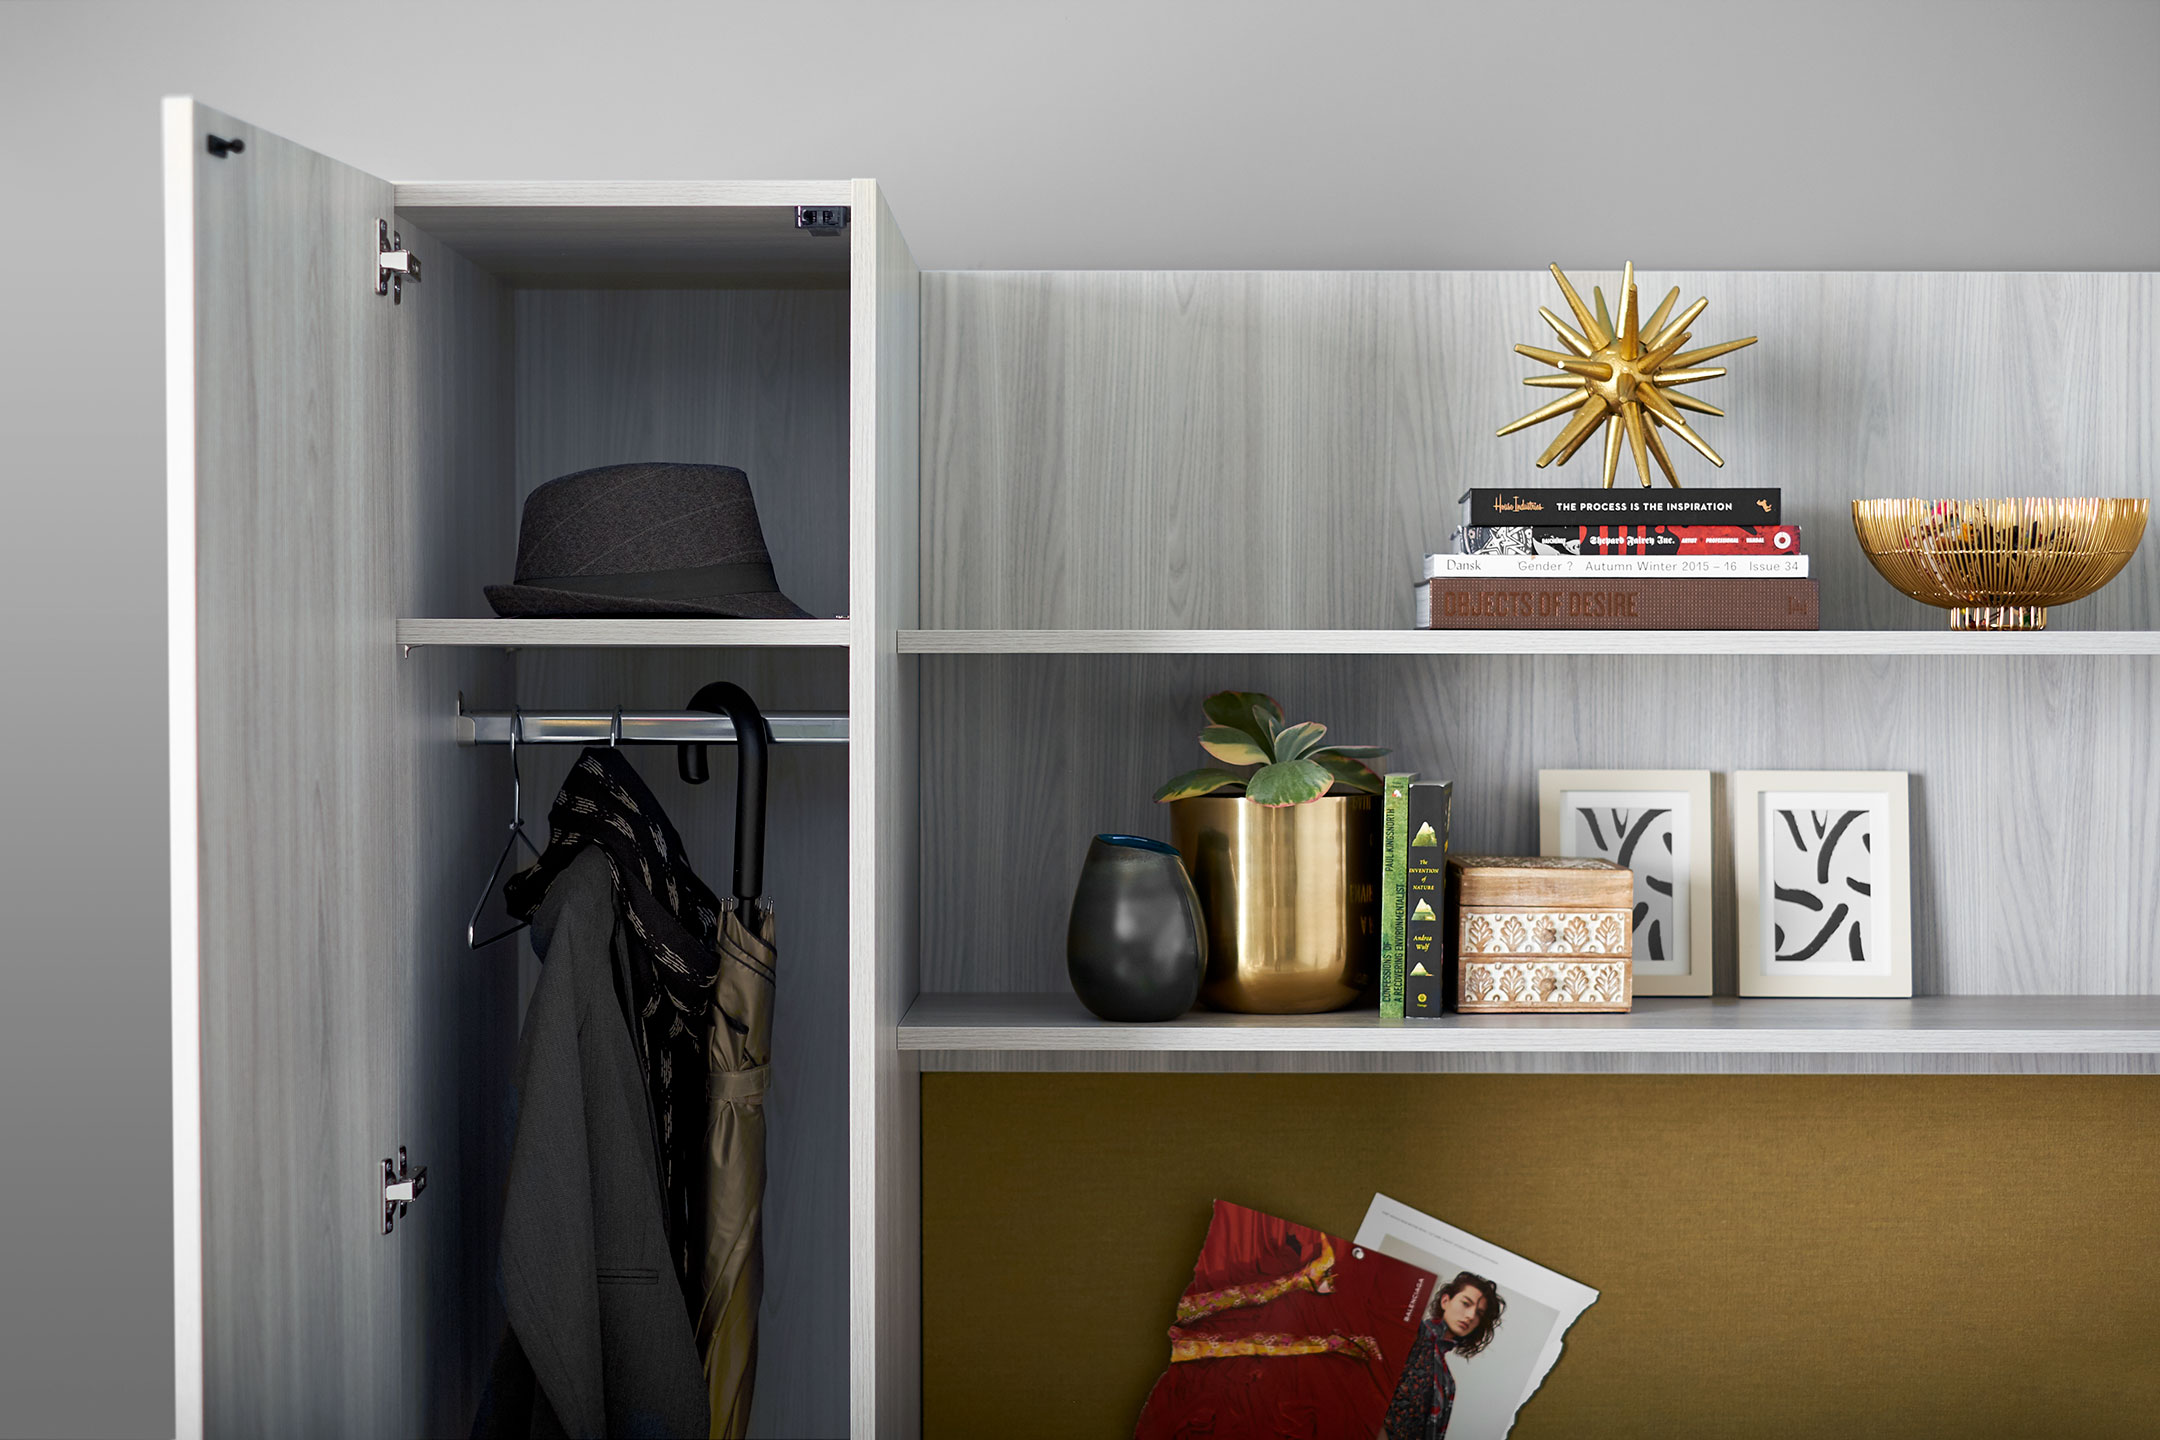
751, 378
1957, 1024
351, 465
644, 235
1977, 645
803, 1321
1159, 450
2036, 843
884, 1236
675, 631
457, 1012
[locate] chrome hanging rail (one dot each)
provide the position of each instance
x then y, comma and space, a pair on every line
640, 727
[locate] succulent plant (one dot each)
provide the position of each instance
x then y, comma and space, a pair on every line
1293, 767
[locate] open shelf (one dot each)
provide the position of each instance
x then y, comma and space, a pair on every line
682, 633
1528, 642
1939, 1024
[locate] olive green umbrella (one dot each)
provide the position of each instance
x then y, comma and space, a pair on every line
739, 1062
738, 1056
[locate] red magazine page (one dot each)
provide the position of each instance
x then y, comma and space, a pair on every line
1284, 1332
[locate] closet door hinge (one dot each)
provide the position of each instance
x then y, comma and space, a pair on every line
394, 264
822, 219
400, 1187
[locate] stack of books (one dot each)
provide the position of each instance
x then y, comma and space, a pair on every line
1620, 560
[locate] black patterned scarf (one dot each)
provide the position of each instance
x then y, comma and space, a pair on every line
671, 920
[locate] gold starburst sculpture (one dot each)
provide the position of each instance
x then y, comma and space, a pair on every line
1624, 376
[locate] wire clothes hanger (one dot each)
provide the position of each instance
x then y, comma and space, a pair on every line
516, 837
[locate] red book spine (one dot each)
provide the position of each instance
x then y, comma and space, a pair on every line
1621, 604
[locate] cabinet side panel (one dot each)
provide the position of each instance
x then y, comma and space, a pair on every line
450, 1015
884, 1165
1280, 449
299, 839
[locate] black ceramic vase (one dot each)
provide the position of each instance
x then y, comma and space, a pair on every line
1135, 947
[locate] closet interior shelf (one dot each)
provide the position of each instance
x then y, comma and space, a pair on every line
640, 727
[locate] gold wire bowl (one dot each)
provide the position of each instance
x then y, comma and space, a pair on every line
1998, 564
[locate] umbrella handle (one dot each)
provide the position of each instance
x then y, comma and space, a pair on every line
752, 735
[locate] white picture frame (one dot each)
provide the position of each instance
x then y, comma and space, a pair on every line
1661, 814
1818, 915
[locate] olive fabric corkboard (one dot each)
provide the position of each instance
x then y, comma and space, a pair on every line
1779, 1255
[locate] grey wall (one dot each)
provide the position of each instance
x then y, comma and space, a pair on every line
1939, 135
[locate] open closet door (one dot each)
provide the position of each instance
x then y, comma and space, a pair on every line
295, 1314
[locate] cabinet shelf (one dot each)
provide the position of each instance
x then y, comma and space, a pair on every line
1528, 642
1939, 1024
700, 634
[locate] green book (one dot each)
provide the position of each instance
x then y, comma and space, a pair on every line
1394, 854
1424, 893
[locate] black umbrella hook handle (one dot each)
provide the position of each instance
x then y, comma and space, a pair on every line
752, 735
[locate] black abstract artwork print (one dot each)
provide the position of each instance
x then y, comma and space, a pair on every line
1641, 841
1823, 878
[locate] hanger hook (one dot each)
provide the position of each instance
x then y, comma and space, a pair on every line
517, 784
615, 731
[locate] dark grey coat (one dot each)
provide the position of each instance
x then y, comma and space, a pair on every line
600, 1342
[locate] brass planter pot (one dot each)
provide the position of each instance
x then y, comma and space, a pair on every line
1289, 895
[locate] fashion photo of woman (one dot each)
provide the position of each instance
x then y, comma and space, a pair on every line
1462, 1318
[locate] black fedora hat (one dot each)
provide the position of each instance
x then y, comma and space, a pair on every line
646, 539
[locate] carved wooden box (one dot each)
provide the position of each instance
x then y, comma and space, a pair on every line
1530, 933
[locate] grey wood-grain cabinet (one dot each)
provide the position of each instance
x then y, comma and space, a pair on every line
1038, 516
349, 445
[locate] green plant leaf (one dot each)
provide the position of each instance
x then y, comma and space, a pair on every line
1290, 782
1295, 742
1232, 747
1234, 709
1355, 774
1196, 782
1355, 752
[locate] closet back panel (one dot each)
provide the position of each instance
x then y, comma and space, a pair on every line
1280, 449
2034, 768
803, 1320
757, 379
351, 465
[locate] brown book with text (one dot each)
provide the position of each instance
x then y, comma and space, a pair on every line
1616, 603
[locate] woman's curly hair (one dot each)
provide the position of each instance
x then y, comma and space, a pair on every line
1479, 1338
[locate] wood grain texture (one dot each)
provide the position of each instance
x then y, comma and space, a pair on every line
2034, 855
759, 380
294, 504
803, 1320
884, 1185
679, 633
1527, 642
753, 379
454, 1014
1984, 1025
621, 198
637, 242
352, 464
1137, 449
